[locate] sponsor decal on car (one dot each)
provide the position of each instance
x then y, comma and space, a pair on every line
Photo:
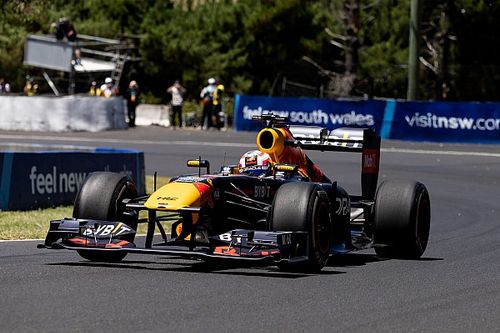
190, 179
106, 230
370, 161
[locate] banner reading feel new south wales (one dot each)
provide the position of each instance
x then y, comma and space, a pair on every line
309, 111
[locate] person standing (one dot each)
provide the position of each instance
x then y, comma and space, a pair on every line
218, 117
206, 96
64, 28
4, 86
132, 97
94, 90
177, 91
30, 87
107, 88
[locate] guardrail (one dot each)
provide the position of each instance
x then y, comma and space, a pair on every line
467, 122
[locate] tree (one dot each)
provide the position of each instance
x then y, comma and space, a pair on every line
356, 47
17, 18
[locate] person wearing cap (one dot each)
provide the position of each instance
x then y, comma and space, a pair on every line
107, 88
206, 96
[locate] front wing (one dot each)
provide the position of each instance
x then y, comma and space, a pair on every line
250, 247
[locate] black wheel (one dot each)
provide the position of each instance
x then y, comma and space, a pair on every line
304, 207
402, 219
100, 198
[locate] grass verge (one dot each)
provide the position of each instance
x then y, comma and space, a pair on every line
33, 224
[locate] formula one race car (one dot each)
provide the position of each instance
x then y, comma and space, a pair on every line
275, 208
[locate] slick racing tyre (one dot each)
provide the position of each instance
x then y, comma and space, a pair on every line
304, 207
402, 219
100, 198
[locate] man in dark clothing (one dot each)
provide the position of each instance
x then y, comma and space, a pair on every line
64, 28
206, 96
132, 97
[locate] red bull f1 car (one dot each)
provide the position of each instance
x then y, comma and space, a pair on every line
291, 215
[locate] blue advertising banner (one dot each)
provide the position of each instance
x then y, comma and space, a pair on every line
326, 113
41, 179
400, 120
447, 122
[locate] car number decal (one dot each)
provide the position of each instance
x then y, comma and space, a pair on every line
261, 191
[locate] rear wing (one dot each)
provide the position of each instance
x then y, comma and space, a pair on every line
317, 138
345, 139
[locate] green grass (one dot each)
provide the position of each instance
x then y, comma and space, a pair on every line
34, 224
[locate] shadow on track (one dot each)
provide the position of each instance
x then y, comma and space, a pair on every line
199, 267
175, 264
361, 259
353, 259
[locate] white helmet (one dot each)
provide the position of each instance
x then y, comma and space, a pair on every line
254, 163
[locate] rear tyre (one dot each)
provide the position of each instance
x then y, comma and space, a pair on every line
304, 207
402, 219
100, 198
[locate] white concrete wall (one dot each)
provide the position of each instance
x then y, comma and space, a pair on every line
62, 114
149, 114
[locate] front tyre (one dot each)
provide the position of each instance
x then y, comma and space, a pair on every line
402, 219
304, 207
100, 198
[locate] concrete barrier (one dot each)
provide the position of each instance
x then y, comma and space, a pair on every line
62, 114
150, 114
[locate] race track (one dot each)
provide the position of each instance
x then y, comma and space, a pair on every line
455, 287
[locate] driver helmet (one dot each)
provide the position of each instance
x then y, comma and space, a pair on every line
254, 163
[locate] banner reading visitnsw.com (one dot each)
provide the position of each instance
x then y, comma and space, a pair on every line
308, 111
416, 121
447, 122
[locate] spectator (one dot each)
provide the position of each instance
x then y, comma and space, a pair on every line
4, 86
63, 28
132, 97
107, 88
94, 90
206, 96
177, 91
218, 112
30, 87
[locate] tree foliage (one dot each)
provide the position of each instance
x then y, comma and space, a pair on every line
250, 44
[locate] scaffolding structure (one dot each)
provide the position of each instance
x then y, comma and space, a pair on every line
90, 54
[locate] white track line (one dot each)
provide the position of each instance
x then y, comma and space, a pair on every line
20, 240
439, 152
120, 141
234, 144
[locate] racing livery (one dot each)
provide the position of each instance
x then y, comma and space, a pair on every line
290, 214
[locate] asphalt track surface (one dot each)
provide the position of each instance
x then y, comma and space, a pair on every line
455, 287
